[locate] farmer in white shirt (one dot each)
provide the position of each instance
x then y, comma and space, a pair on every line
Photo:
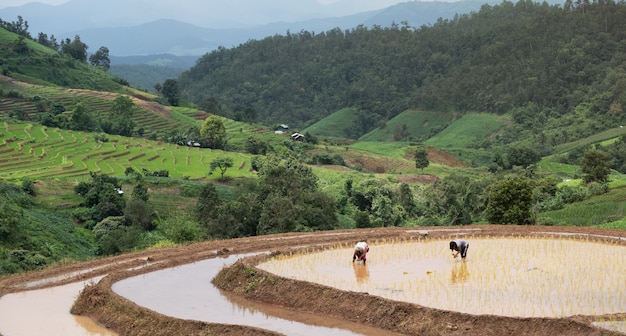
459, 246
360, 252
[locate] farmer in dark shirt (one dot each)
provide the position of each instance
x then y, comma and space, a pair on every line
459, 246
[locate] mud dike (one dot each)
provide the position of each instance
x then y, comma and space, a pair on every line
515, 280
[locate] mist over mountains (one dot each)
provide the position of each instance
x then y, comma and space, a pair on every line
195, 27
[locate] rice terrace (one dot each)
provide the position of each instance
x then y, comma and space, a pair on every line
401, 275
242, 197
539, 280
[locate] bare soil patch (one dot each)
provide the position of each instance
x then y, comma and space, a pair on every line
439, 157
101, 304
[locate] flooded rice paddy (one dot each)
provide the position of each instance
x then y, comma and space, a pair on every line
524, 277
187, 292
46, 312
520, 277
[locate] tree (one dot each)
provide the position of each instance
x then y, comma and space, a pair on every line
510, 201
82, 119
421, 158
522, 156
256, 146
170, 91
20, 46
114, 236
222, 164
596, 166
10, 218
139, 213
213, 132
207, 203
121, 121
76, 49
102, 195
101, 58
140, 192
361, 219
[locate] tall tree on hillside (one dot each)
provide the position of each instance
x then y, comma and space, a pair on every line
10, 218
421, 158
76, 48
510, 201
82, 119
596, 166
121, 120
213, 132
51, 42
170, 91
19, 27
222, 164
101, 58
20, 46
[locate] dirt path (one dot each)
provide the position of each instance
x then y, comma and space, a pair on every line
121, 315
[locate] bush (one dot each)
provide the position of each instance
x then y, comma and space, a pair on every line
362, 219
181, 230
82, 215
28, 187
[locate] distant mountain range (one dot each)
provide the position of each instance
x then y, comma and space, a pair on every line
101, 23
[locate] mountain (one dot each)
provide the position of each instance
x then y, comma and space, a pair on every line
88, 14
138, 28
548, 74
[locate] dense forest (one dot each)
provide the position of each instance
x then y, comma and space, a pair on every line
559, 71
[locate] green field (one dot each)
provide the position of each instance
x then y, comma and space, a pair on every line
333, 125
610, 134
411, 125
467, 130
596, 211
38, 152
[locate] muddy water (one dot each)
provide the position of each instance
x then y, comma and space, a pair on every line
511, 277
186, 292
46, 312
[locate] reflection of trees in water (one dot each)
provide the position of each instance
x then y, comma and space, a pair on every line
361, 272
459, 272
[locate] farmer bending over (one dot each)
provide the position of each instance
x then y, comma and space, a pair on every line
459, 246
360, 251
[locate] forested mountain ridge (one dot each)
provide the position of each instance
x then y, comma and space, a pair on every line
558, 70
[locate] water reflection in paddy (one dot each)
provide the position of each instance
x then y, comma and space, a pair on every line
511, 277
46, 312
186, 292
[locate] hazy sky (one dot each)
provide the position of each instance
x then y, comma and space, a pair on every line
12, 3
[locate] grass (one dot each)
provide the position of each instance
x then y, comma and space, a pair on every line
612, 133
561, 169
469, 129
595, 211
333, 125
411, 125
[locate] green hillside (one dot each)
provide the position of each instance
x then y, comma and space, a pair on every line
334, 125
38, 152
415, 126
36, 63
439, 136
550, 82
469, 131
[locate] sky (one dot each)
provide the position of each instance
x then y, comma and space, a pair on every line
14, 3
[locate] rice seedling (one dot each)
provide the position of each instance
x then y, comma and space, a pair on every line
519, 276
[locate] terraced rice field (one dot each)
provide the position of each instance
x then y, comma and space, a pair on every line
39, 152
